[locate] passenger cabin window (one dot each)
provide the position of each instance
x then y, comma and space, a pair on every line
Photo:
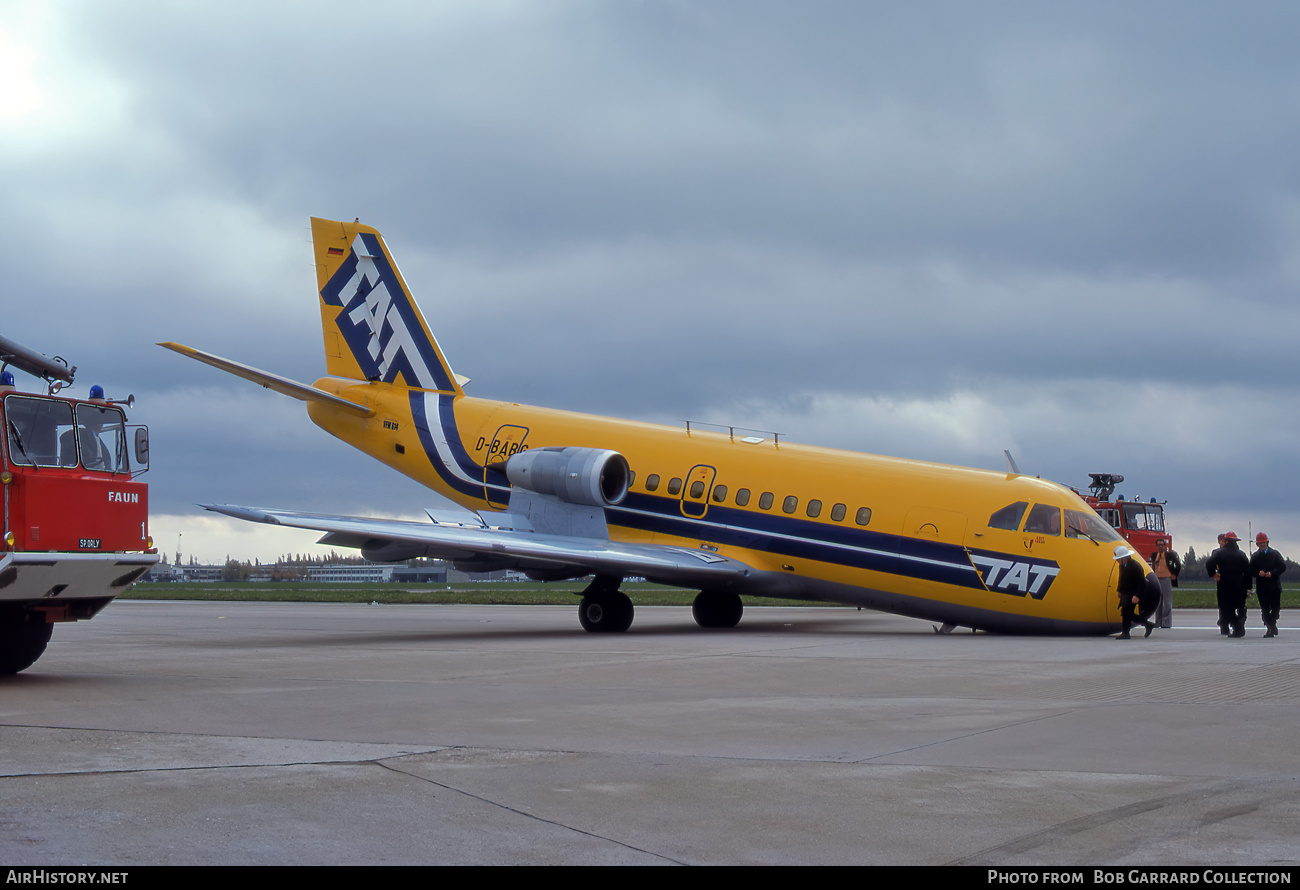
790, 504
838, 511
652, 482
814, 509
1044, 519
697, 489
864, 516
1009, 516
742, 497
674, 485
765, 500
720, 493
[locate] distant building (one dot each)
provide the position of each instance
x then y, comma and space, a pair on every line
348, 572
427, 572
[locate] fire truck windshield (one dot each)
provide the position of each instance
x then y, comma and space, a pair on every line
1144, 517
43, 433
101, 438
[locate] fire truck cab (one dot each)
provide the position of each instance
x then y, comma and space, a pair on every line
1140, 523
76, 520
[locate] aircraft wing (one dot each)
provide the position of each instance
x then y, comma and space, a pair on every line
511, 548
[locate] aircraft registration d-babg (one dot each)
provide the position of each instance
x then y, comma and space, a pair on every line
561, 495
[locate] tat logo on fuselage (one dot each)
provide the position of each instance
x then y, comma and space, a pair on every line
377, 319
1017, 577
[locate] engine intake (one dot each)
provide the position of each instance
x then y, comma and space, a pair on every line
593, 477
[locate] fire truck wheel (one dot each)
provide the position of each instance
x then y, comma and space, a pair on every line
22, 640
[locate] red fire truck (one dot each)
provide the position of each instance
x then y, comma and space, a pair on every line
1140, 523
76, 521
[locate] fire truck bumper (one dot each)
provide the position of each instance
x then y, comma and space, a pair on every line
68, 586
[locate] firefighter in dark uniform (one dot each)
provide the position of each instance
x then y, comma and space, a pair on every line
1137, 598
1266, 568
1231, 572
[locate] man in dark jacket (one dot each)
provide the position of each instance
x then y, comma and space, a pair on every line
1137, 598
1231, 572
1266, 568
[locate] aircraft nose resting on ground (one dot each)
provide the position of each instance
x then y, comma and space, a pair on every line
560, 495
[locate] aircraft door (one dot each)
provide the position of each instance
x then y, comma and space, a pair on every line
695, 493
508, 440
936, 524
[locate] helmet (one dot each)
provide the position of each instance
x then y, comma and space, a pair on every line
1121, 552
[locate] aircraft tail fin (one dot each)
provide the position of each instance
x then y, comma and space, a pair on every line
373, 329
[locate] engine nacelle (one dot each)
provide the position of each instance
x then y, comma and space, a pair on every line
593, 477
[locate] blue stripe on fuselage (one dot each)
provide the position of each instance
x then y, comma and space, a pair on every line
802, 539
786, 536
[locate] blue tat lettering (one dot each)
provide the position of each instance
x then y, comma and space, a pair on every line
1016, 577
378, 322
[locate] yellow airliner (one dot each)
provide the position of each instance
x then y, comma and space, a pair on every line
731, 512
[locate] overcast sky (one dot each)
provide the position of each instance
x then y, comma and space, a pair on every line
933, 230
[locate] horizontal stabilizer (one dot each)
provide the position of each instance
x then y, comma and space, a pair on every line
282, 385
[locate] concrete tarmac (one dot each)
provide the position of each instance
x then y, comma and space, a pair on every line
194, 733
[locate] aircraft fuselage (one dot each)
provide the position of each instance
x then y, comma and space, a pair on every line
904, 536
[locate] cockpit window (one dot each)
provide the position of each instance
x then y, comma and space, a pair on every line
1081, 524
1009, 516
1044, 519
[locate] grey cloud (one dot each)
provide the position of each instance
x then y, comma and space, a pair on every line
673, 209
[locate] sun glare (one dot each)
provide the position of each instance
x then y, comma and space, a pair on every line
19, 93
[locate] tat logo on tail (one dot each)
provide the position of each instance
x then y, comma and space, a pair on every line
378, 322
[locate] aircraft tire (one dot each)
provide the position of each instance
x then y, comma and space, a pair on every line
717, 608
606, 612
22, 641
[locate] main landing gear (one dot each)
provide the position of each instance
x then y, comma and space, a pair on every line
22, 640
717, 608
604, 608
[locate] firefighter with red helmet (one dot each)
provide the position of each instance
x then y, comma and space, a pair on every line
1266, 568
1230, 569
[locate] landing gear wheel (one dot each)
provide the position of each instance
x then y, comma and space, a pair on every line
605, 612
717, 608
22, 641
